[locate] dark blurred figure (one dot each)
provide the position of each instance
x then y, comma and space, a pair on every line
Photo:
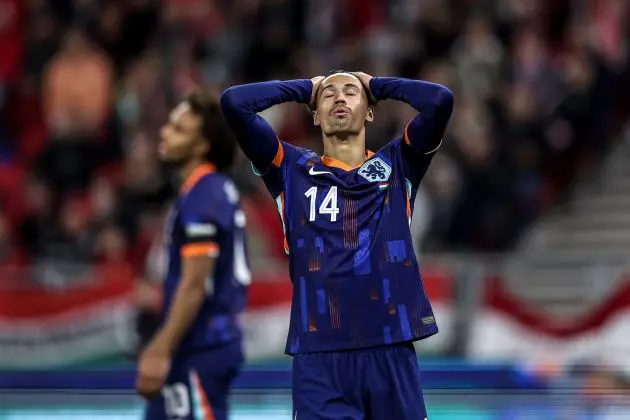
270, 52
39, 216
123, 30
69, 240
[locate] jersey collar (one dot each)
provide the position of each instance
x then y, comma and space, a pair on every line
334, 163
197, 173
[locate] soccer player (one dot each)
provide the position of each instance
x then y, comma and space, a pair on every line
358, 299
187, 369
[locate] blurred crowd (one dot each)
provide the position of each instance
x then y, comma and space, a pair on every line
86, 84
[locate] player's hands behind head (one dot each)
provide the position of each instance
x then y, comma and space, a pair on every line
365, 80
317, 81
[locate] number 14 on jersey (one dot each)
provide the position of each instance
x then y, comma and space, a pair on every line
328, 206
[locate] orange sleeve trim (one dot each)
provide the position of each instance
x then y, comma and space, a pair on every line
406, 135
277, 161
199, 249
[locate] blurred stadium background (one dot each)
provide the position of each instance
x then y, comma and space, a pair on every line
522, 222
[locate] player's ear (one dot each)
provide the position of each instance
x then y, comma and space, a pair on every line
313, 111
370, 115
315, 118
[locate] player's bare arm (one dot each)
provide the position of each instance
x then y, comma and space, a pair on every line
191, 292
433, 102
190, 295
240, 105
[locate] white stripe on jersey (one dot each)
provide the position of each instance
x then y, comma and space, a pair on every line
200, 229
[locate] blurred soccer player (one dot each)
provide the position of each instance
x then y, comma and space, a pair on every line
358, 300
187, 369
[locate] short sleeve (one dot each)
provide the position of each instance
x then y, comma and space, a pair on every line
205, 215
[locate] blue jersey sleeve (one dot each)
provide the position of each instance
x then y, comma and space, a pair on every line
423, 135
276, 177
206, 214
240, 106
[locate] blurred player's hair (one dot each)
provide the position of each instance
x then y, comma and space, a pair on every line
214, 128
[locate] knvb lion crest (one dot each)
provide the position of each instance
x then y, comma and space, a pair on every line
375, 170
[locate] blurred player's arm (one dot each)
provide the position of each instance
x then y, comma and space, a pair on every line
433, 102
198, 261
240, 106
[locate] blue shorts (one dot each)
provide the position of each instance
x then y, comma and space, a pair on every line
198, 386
381, 383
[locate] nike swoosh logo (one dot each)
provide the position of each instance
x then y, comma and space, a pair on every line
312, 171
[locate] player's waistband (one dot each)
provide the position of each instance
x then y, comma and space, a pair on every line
368, 344
408, 345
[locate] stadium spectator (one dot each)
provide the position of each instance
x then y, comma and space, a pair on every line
77, 87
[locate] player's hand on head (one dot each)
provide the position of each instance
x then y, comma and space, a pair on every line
365, 80
153, 368
317, 81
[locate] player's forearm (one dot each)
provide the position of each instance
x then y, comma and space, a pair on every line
186, 304
243, 100
433, 102
417, 93
240, 106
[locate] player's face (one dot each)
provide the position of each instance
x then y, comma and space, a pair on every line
342, 106
180, 137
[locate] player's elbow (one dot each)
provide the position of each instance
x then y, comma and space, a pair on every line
235, 105
235, 99
230, 100
444, 100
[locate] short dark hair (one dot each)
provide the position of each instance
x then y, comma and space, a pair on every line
214, 128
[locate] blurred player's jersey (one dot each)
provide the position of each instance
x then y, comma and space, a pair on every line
206, 220
356, 280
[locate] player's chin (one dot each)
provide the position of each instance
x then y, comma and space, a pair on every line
173, 161
341, 130
166, 155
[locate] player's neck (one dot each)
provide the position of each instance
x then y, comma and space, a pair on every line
349, 150
186, 170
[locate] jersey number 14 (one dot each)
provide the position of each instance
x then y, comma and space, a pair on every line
328, 205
